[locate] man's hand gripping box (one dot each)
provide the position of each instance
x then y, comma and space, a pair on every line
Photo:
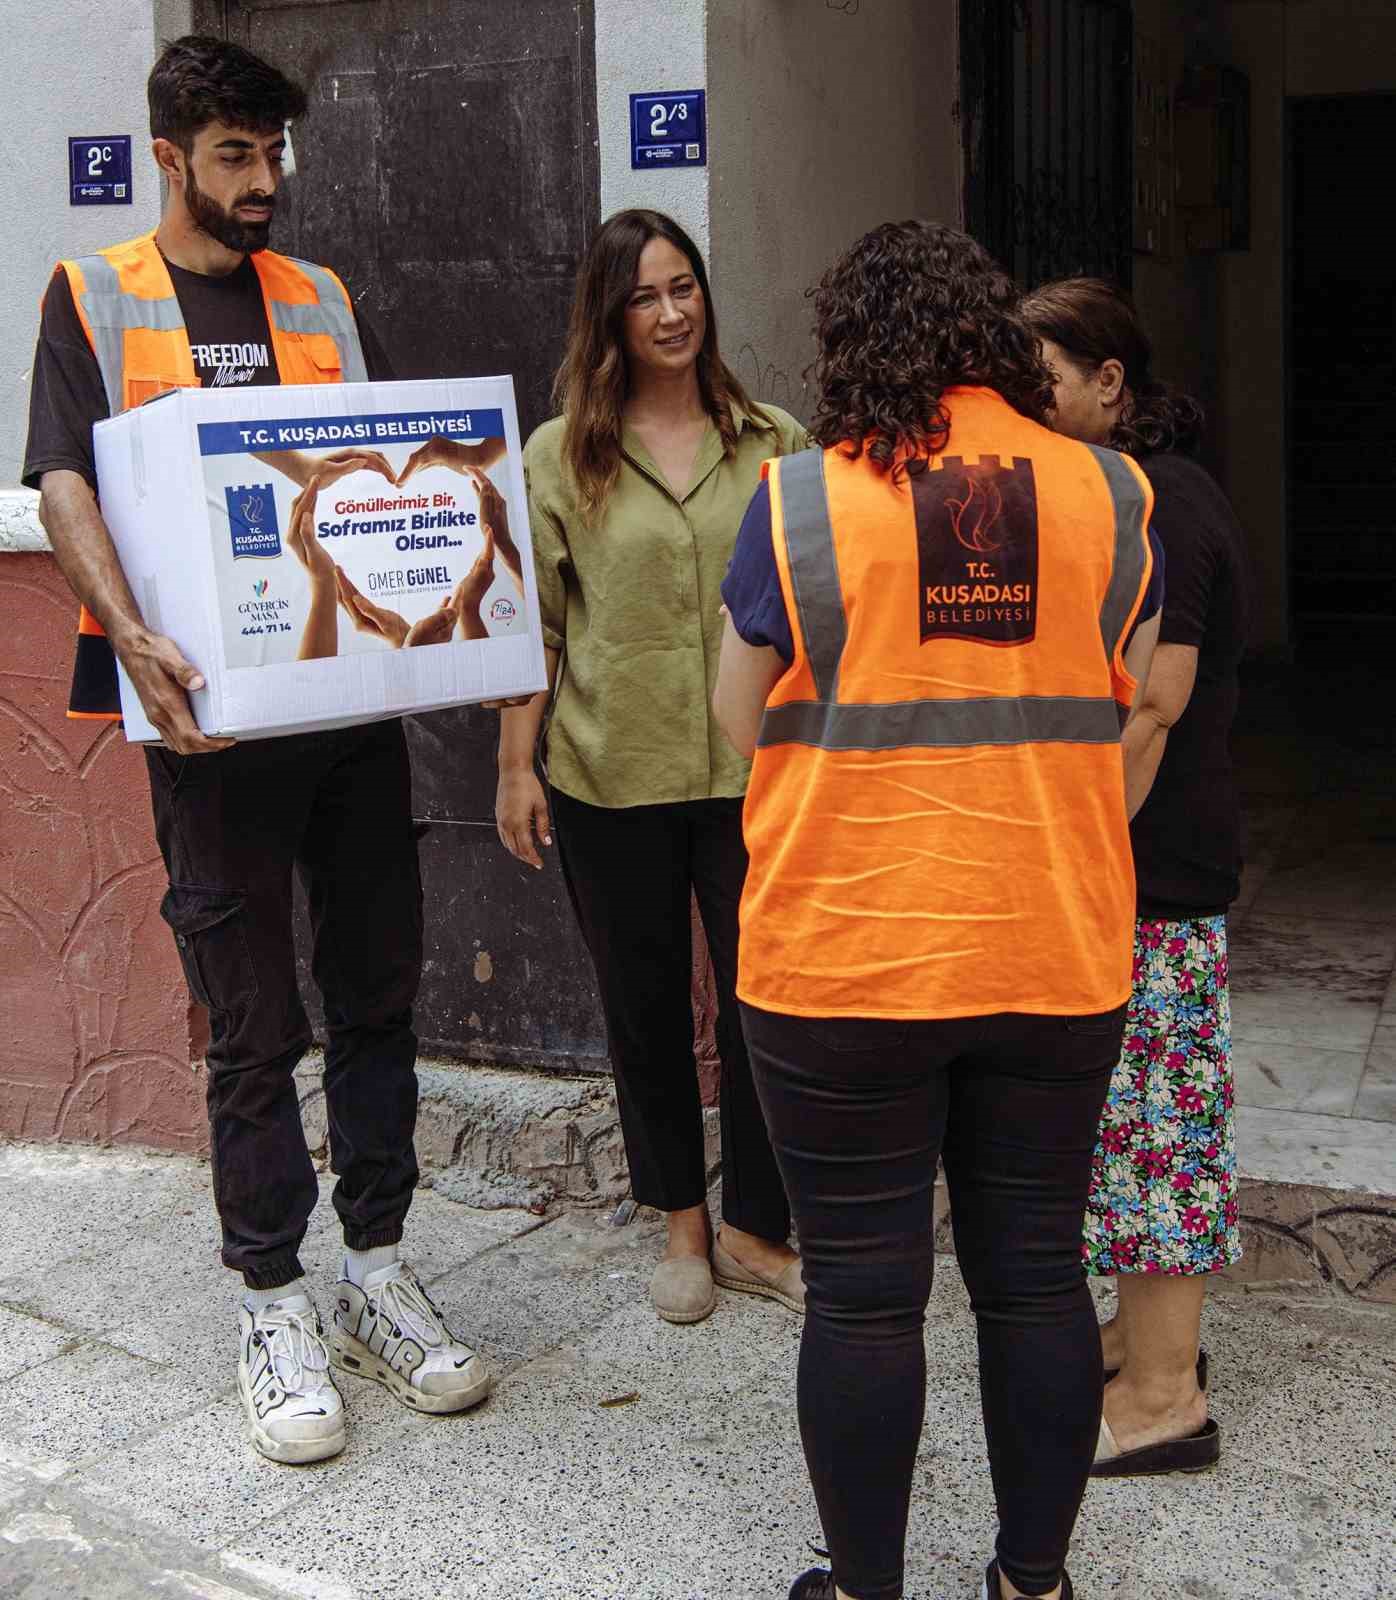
327, 554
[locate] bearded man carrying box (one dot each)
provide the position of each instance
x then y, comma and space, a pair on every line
202, 303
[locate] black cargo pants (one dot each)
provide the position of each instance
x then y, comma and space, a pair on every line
336, 806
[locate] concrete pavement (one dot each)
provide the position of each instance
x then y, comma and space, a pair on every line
124, 1469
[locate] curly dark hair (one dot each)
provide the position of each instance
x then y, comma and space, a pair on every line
911, 310
199, 79
1091, 322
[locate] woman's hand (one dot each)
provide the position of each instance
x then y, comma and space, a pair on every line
494, 518
436, 452
303, 468
301, 538
340, 463
390, 626
320, 636
520, 812
437, 626
439, 451
471, 591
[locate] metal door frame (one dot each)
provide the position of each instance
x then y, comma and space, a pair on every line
1018, 146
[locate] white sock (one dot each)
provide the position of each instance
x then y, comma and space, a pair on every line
260, 1299
359, 1263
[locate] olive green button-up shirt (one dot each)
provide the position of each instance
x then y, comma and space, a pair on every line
632, 600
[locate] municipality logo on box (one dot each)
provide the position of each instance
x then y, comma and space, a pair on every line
252, 519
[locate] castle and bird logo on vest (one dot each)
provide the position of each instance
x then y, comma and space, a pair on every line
976, 532
393, 554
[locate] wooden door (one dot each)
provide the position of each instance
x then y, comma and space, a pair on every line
447, 169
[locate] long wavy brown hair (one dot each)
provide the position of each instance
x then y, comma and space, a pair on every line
591, 384
1091, 322
911, 310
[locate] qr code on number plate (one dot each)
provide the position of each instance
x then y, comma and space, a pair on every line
691, 151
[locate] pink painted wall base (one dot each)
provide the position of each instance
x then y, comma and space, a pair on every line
95, 1024
98, 1038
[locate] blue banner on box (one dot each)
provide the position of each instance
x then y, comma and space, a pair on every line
306, 433
669, 130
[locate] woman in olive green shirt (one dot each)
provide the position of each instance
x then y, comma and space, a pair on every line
635, 496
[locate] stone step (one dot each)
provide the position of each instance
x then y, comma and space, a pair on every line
491, 1137
1317, 1194
1318, 1204
1318, 1201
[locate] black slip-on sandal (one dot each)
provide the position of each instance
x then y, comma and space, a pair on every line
1195, 1452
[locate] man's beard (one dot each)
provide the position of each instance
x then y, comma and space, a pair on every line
245, 237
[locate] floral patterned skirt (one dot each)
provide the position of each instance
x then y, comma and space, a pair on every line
1163, 1183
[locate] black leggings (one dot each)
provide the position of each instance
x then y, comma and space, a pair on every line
632, 874
859, 1110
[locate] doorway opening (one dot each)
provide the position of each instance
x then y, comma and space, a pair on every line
1045, 118
1341, 435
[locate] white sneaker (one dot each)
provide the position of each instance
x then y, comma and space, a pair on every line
391, 1331
284, 1379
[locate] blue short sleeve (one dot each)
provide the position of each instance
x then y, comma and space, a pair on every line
1152, 602
1153, 599
751, 590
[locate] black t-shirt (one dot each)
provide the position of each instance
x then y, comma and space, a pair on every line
226, 319
1187, 835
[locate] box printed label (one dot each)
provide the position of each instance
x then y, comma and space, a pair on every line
252, 521
381, 532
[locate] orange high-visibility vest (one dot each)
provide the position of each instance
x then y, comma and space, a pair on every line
936, 816
127, 305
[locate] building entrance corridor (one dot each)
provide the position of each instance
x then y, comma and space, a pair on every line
1341, 444
1313, 974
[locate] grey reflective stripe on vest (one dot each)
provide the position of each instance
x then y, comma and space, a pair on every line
814, 568
1128, 571
110, 311
932, 724
943, 724
331, 315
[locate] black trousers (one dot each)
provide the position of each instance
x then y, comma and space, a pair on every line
631, 873
336, 806
859, 1111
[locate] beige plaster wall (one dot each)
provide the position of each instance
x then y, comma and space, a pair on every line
826, 117
76, 69
634, 56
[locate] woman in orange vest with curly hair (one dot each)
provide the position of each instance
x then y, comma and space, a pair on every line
933, 639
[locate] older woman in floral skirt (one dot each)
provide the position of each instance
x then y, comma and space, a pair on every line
1162, 1213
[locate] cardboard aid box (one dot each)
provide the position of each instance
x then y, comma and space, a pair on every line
362, 599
